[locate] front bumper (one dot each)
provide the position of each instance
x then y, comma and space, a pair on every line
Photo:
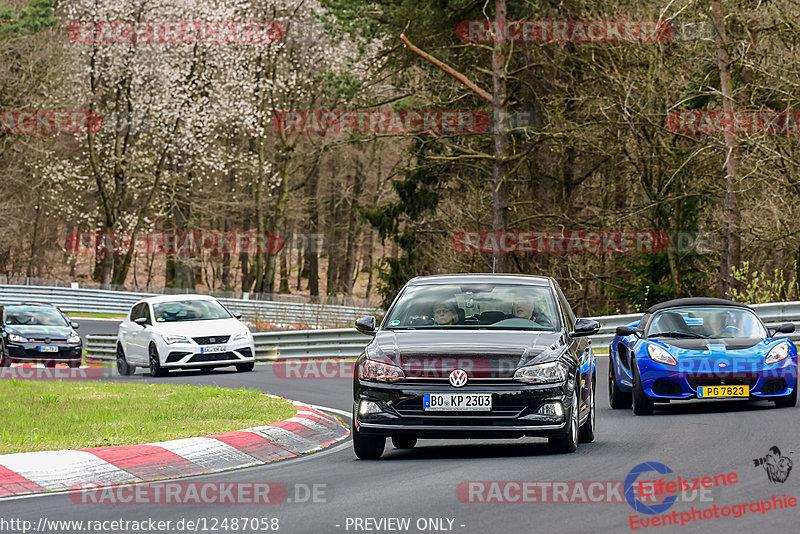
179, 355
29, 352
513, 414
661, 381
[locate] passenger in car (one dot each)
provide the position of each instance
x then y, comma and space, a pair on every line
444, 313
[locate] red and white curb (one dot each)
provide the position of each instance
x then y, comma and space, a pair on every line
35, 472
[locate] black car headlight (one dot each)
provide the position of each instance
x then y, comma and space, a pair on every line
16, 338
379, 372
543, 373
74, 339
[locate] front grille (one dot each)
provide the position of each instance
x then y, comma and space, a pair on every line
413, 408
774, 386
722, 379
211, 340
176, 356
668, 388
213, 357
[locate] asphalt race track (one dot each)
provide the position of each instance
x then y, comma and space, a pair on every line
694, 440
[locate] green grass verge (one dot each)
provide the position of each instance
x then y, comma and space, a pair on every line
68, 415
95, 315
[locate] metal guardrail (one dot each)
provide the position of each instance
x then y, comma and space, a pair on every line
348, 343
120, 302
270, 346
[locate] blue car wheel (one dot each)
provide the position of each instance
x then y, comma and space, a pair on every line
642, 404
616, 397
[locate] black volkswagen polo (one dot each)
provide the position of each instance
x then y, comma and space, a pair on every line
475, 356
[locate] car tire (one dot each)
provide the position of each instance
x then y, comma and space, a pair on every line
569, 443
74, 365
5, 361
642, 404
617, 398
404, 442
155, 363
124, 368
50, 364
367, 447
245, 367
588, 431
787, 401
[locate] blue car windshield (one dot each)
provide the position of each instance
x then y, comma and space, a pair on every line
706, 323
475, 306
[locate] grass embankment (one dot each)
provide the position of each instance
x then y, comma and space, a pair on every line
68, 415
95, 315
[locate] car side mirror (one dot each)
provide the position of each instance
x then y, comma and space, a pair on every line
785, 328
141, 321
238, 316
74, 325
366, 325
625, 331
585, 327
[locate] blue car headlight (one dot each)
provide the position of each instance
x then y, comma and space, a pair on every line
777, 354
657, 354
545, 373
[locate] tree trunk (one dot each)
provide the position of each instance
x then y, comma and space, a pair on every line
499, 259
348, 273
729, 253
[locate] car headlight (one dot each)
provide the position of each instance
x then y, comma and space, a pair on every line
241, 335
544, 373
171, 339
16, 338
381, 372
74, 338
657, 354
778, 353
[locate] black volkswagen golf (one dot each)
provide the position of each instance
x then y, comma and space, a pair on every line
475, 356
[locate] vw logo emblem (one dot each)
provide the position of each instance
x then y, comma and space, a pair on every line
47, 340
458, 378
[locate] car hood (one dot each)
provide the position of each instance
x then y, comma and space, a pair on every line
482, 353
41, 332
712, 355
215, 327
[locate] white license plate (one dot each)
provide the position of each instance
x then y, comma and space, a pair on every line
211, 350
48, 348
466, 402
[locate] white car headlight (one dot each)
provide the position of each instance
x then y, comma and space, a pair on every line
74, 338
544, 373
241, 335
170, 339
16, 338
657, 354
778, 353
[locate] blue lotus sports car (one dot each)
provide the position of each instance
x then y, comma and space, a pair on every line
700, 348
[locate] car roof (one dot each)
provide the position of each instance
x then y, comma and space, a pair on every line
695, 301
174, 298
497, 278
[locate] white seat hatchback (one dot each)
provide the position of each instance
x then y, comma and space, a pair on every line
182, 332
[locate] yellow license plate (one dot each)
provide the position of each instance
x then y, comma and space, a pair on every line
715, 392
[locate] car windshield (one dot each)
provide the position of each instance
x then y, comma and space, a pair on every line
706, 323
189, 310
34, 317
472, 306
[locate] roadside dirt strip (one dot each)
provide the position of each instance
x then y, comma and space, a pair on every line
36, 472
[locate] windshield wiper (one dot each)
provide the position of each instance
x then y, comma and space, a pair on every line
678, 334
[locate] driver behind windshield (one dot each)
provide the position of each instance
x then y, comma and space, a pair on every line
718, 324
523, 307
